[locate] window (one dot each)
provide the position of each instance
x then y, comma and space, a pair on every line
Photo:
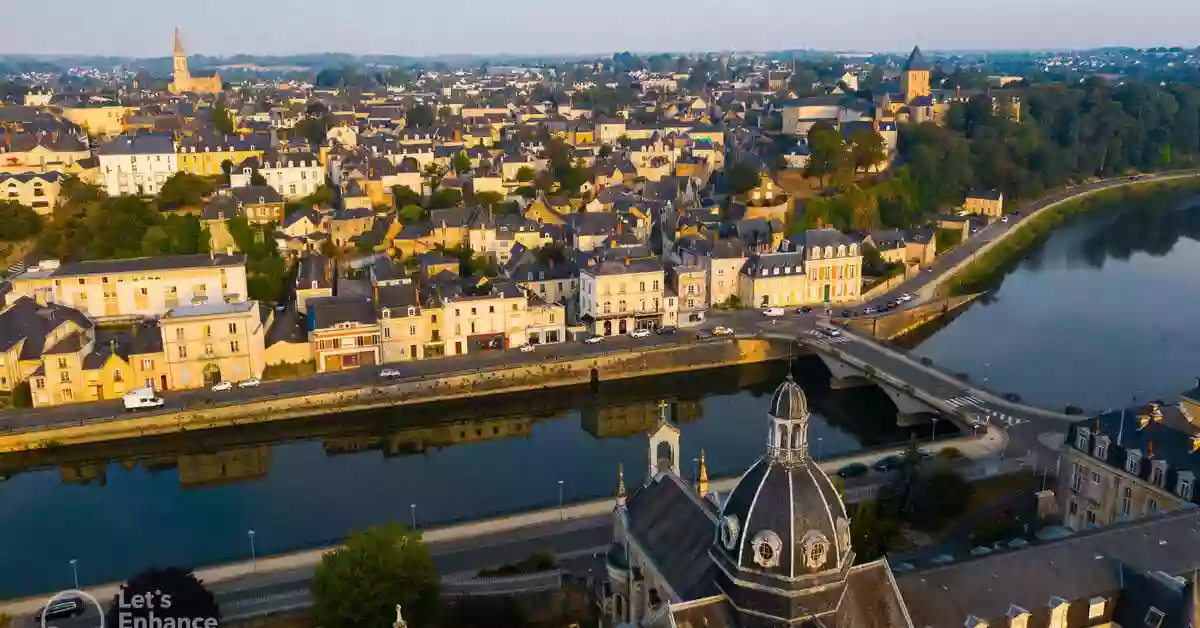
233, 346
1095, 477
40, 383
1133, 462
1154, 617
1090, 518
233, 328
1158, 472
64, 377
641, 286
1081, 439
68, 393
62, 363
1073, 508
1183, 486
412, 330
1126, 501
385, 313
1152, 505
117, 377
207, 331
1076, 476
656, 284
1101, 451
387, 333
182, 353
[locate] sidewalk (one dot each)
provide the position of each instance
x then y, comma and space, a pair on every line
282, 568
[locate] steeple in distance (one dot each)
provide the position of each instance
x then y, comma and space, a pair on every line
620, 484
702, 483
178, 43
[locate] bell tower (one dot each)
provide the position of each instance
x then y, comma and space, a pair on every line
182, 74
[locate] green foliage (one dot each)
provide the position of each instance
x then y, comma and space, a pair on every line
488, 199
461, 162
22, 395
183, 189
872, 533
537, 562
256, 178
489, 611
266, 271
412, 213
361, 583
867, 148
827, 153
18, 222
222, 119
290, 371
524, 174
421, 116
741, 177
189, 598
323, 196
447, 197
314, 129
924, 495
605, 101
91, 226
403, 196
948, 239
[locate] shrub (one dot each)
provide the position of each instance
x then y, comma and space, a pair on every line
927, 361
950, 453
291, 370
22, 396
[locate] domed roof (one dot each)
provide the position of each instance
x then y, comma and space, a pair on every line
785, 520
789, 401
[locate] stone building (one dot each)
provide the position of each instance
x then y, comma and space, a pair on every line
184, 81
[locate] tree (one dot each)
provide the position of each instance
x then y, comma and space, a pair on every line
222, 119
314, 129
485, 612
867, 148
183, 189
872, 533
412, 213
403, 196
256, 178
525, 174
827, 153
742, 177
421, 116
461, 162
17, 221
177, 594
447, 197
361, 584
226, 170
489, 199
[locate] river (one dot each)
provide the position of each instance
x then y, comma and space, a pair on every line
1105, 311
121, 507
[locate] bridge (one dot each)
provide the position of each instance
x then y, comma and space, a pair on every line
919, 390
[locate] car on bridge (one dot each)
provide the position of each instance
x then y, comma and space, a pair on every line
888, 463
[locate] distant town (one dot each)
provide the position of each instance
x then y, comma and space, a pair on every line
204, 235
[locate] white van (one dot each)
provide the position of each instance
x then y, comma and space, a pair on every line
773, 312
141, 398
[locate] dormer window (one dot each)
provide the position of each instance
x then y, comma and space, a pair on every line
1101, 450
1183, 485
412, 311
1133, 462
385, 313
1158, 472
1082, 436
314, 285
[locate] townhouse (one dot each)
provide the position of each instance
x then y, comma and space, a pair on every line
137, 164
617, 297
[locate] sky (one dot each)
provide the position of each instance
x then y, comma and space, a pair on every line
144, 28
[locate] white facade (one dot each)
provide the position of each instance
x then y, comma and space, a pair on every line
293, 179
137, 175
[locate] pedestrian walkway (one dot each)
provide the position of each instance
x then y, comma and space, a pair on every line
969, 402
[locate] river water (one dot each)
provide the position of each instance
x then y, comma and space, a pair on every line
1106, 310
121, 507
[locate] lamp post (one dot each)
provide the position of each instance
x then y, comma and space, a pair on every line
933, 433
75, 572
820, 441
253, 552
695, 470
413, 509
561, 516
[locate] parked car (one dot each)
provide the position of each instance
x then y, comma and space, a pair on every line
389, 374
804, 310
253, 382
594, 340
527, 348
847, 313
720, 330
669, 329
703, 335
640, 333
904, 297
773, 312
869, 310
853, 470
887, 463
60, 609
222, 386
1004, 219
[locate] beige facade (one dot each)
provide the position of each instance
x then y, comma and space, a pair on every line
206, 344
137, 287
827, 270
618, 297
495, 321
989, 204
99, 121
690, 284
38, 191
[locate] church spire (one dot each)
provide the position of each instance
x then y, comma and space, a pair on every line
620, 484
702, 484
178, 44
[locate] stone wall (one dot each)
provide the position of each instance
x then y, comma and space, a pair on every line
896, 323
476, 383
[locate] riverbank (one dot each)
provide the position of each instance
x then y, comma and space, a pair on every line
979, 273
659, 360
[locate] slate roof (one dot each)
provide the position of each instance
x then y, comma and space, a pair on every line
644, 265
675, 529
144, 264
991, 195
1075, 568
775, 264
916, 60
325, 312
314, 268
256, 195
139, 144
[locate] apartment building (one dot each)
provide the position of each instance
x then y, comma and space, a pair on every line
37, 191
145, 287
617, 297
344, 333
294, 175
1130, 463
214, 342
137, 164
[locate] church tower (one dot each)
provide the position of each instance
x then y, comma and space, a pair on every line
182, 75
914, 82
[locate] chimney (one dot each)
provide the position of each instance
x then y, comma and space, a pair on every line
1017, 617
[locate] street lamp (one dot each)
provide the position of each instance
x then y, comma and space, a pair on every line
75, 572
253, 552
413, 508
820, 441
561, 516
695, 470
933, 433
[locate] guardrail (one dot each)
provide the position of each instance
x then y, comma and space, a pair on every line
505, 585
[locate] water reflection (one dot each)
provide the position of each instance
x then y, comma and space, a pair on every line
1154, 229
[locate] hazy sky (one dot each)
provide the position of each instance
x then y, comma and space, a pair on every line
421, 27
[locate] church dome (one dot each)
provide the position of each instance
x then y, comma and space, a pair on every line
785, 518
789, 401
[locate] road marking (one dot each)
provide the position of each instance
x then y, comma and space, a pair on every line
822, 339
989, 416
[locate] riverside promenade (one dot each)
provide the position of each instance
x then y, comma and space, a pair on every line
299, 565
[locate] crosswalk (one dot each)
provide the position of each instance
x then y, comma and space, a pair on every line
986, 415
822, 339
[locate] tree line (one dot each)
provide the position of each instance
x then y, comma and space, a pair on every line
1066, 134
